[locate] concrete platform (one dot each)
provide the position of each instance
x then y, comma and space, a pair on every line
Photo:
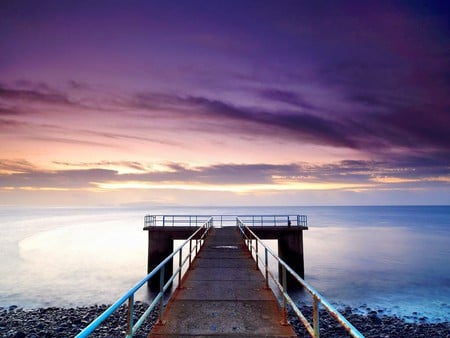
223, 296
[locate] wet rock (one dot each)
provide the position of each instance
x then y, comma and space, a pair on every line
62, 322
372, 325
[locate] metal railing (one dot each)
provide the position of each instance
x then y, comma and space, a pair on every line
198, 237
274, 220
174, 220
250, 237
253, 220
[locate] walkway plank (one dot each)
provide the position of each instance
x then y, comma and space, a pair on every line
223, 295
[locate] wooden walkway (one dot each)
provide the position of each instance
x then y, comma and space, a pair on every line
223, 295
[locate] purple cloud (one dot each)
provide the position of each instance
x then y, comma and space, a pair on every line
128, 164
287, 97
17, 166
25, 174
33, 96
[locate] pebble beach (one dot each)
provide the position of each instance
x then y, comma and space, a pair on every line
68, 322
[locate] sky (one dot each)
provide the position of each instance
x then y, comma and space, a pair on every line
224, 102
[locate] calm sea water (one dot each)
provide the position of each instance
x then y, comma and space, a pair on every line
391, 258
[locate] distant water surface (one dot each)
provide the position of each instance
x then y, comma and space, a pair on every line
390, 258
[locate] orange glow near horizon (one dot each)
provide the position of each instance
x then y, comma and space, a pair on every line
239, 189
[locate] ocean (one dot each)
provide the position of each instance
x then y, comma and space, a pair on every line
390, 258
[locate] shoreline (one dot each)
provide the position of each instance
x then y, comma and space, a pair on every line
16, 322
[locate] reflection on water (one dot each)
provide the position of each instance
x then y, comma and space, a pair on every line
75, 263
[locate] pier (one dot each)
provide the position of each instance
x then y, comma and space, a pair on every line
286, 229
223, 294
218, 281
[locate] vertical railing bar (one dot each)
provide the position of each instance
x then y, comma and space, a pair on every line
161, 292
266, 263
130, 316
180, 263
256, 254
316, 317
284, 281
190, 254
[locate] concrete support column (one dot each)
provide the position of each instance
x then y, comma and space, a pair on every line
160, 245
290, 249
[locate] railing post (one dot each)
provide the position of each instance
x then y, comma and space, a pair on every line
284, 281
164, 220
266, 263
256, 253
190, 254
130, 316
316, 317
180, 260
161, 291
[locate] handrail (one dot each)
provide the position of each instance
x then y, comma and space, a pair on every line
254, 220
129, 295
313, 330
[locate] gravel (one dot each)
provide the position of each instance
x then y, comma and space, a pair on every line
67, 322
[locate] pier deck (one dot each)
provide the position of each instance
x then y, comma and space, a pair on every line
223, 295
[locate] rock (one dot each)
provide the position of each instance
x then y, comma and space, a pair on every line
372, 325
62, 322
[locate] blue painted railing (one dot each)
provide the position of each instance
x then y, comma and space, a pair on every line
132, 327
250, 237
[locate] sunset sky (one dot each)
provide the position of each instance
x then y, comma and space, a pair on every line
224, 102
